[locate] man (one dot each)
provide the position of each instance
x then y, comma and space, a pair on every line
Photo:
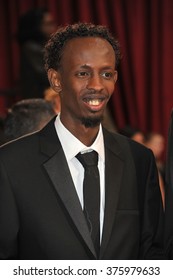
42, 207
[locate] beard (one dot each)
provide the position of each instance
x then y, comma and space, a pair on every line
91, 122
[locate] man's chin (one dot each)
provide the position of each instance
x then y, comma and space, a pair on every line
91, 122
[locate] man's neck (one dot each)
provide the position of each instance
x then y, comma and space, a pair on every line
86, 135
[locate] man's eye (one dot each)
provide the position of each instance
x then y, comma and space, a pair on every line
83, 74
107, 75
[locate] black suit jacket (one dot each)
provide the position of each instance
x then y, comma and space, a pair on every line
40, 213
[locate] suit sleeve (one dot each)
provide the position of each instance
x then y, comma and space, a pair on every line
9, 221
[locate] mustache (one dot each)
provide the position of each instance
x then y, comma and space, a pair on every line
94, 94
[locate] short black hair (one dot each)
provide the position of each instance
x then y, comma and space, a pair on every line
27, 116
29, 26
54, 48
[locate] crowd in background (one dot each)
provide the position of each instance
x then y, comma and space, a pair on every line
154, 141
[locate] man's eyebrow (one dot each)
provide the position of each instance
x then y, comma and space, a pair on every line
85, 66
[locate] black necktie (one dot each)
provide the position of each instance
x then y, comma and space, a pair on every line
91, 193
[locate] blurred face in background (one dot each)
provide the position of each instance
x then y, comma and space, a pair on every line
157, 144
48, 25
139, 137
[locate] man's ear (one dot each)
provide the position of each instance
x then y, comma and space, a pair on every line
115, 76
54, 80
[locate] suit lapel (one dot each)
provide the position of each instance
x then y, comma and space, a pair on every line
58, 171
113, 177
57, 168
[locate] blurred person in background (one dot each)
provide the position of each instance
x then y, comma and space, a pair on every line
133, 133
34, 29
27, 116
168, 227
156, 142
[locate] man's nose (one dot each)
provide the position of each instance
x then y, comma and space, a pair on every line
95, 83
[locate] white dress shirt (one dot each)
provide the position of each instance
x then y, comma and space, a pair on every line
72, 146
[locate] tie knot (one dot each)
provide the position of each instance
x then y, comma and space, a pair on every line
88, 159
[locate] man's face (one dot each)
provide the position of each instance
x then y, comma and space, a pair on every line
87, 78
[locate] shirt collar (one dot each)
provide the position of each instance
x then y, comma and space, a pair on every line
72, 146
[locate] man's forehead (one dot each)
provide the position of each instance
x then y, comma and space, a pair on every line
88, 51
91, 39
81, 44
